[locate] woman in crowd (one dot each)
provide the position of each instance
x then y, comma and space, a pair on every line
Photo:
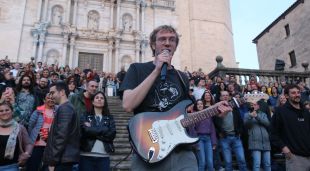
39, 126
72, 85
263, 89
281, 100
98, 132
207, 135
15, 145
257, 124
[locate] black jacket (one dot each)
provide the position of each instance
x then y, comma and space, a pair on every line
291, 127
63, 144
238, 123
104, 131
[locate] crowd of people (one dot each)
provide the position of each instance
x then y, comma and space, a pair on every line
53, 118
245, 131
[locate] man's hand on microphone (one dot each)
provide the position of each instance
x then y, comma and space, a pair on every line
162, 58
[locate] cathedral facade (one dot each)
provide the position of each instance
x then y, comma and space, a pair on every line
109, 34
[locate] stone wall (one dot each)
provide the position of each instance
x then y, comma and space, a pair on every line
274, 44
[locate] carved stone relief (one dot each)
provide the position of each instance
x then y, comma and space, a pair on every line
93, 20
57, 15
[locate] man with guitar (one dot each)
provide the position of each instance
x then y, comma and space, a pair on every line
156, 86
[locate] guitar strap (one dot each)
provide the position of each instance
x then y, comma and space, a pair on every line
184, 85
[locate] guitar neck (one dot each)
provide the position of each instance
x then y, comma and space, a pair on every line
202, 115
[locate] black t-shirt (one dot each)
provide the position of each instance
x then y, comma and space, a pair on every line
162, 96
3, 142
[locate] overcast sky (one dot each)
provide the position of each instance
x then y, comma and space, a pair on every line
249, 19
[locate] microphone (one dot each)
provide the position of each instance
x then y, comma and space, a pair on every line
163, 72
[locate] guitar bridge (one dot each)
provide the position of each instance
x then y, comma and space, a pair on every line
153, 135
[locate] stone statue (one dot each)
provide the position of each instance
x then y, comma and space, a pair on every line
93, 20
57, 16
52, 57
127, 23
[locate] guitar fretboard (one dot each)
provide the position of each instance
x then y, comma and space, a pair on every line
205, 114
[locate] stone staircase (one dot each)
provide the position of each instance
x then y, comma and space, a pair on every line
121, 143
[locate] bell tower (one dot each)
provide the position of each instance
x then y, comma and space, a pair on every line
206, 32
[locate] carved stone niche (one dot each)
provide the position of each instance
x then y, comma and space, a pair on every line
93, 20
57, 15
127, 22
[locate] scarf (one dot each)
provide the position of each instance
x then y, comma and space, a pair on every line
6, 124
11, 144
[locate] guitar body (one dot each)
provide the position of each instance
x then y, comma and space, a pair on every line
155, 134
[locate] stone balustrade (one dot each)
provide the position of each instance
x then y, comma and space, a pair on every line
164, 3
264, 77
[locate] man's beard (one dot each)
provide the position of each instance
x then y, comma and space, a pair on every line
43, 87
295, 100
27, 86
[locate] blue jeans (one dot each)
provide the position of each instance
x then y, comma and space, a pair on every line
11, 167
257, 155
205, 153
94, 163
229, 144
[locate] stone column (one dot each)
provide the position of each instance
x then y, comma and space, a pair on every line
34, 45
117, 47
112, 14
68, 11
74, 12
39, 10
64, 50
41, 44
109, 59
72, 45
45, 10
137, 51
118, 15
137, 15
143, 6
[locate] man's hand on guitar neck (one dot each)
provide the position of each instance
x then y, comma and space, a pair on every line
223, 107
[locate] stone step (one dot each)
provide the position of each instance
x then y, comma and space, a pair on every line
121, 131
118, 157
122, 145
123, 166
122, 135
125, 151
121, 140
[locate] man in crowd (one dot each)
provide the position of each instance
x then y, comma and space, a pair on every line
82, 100
25, 98
120, 78
54, 77
229, 129
290, 130
63, 145
41, 90
39, 67
145, 90
15, 70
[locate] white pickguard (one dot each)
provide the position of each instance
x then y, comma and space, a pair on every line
170, 133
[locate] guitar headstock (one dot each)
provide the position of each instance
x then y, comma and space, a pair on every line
253, 98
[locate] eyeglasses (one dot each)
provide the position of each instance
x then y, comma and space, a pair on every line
163, 40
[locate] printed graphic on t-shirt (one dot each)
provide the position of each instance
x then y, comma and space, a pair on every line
166, 94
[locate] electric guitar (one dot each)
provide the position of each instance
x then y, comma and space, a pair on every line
154, 135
